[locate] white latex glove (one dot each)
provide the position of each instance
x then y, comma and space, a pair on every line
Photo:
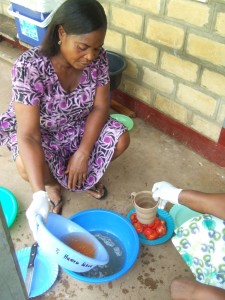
163, 192
39, 206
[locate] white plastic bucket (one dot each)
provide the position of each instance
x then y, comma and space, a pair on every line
49, 238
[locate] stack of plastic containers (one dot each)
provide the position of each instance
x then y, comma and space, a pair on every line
32, 18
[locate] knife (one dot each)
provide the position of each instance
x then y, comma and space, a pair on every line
30, 268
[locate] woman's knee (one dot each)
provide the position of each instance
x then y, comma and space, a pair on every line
49, 179
21, 169
126, 139
124, 142
122, 145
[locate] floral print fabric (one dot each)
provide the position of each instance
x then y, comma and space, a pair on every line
201, 243
62, 115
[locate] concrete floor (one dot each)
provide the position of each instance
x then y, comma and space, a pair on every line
152, 156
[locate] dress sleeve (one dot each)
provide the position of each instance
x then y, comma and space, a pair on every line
27, 87
103, 69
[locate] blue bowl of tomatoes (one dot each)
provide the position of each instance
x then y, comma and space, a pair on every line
158, 232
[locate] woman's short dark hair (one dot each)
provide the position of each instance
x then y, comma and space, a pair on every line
76, 17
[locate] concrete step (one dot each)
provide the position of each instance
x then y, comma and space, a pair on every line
10, 46
8, 31
8, 28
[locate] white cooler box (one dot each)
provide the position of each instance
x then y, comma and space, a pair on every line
32, 18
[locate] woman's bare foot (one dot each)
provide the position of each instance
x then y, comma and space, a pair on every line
98, 191
55, 197
187, 289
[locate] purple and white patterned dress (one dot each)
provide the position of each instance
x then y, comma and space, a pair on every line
62, 115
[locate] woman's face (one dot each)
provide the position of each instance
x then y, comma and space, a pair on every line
80, 50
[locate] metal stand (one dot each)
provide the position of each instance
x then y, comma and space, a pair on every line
11, 282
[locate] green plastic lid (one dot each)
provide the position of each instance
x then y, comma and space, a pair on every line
125, 120
9, 205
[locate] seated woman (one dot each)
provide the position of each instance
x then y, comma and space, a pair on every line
200, 241
57, 125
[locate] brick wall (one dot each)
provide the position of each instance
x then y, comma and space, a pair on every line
175, 51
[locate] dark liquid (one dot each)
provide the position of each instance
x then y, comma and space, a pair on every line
79, 244
116, 256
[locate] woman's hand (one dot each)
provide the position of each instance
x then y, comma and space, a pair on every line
163, 192
78, 163
77, 169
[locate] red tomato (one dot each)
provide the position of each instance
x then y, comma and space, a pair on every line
147, 231
144, 226
161, 230
162, 222
150, 225
138, 226
156, 223
152, 235
133, 216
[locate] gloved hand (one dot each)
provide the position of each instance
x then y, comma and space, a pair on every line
39, 206
163, 192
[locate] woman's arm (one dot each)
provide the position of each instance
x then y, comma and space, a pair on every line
213, 204
96, 119
29, 142
205, 203
78, 163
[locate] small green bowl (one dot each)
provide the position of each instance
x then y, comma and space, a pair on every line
9, 205
125, 120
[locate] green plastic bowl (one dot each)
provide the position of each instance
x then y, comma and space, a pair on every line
125, 120
9, 205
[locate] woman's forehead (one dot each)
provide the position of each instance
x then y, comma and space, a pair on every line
92, 38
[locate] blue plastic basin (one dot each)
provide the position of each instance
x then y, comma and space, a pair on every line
101, 220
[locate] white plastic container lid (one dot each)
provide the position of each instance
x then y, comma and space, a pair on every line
42, 6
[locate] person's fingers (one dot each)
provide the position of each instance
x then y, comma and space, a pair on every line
155, 187
71, 179
77, 182
80, 179
162, 204
75, 178
156, 195
44, 212
84, 176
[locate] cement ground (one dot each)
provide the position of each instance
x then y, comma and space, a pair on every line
151, 157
